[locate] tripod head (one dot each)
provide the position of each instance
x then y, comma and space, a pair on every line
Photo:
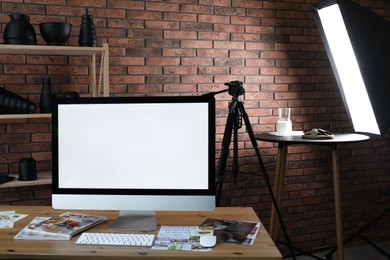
236, 88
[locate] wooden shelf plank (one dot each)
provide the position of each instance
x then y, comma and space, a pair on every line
19, 116
44, 178
49, 50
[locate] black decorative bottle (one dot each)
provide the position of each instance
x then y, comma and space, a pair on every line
47, 95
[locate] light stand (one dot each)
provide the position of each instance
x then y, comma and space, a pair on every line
234, 122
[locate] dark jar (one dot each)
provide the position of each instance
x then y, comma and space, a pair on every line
47, 95
19, 30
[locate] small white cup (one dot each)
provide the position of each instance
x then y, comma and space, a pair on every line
284, 124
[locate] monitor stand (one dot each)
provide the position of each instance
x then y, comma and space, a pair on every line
135, 221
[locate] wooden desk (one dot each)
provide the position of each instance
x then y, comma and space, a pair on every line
283, 142
263, 249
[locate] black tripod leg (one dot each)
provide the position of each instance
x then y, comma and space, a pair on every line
266, 176
236, 123
224, 154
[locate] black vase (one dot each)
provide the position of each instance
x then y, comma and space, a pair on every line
11, 103
19, 30
87, 36
47, 95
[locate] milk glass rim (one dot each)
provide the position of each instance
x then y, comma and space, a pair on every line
284, 112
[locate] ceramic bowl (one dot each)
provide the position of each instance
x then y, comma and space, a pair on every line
55, 33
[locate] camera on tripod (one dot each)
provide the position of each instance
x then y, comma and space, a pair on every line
236, 88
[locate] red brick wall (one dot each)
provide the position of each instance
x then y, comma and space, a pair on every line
188, 47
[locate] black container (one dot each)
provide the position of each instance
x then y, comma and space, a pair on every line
19, 30
87, 36
55, 33
11, 103
27, 169
71, 94
47, 95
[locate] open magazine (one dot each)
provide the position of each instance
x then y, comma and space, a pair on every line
61, 227
180, 238
232, 231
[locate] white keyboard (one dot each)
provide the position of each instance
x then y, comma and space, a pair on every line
115, 239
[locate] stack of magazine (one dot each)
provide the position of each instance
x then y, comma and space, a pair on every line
61, 227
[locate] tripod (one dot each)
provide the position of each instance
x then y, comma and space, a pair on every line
234, 122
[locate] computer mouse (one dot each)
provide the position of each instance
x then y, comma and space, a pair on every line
208, 241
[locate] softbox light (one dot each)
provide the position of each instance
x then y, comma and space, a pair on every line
357, 42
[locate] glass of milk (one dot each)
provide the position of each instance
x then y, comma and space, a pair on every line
284, 124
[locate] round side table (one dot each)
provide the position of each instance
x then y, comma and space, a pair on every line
283, 142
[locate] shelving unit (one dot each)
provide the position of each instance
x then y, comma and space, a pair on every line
97, 89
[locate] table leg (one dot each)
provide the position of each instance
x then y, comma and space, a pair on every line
278, 189
93, 75
106, 72
337, 201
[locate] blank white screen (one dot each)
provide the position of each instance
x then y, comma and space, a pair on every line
133, 146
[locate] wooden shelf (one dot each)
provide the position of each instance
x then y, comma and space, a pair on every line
44, 178
49, 50
22, 116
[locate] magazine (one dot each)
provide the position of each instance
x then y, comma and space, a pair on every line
29, 234
180, 238
231, 231
61, 227
8, 218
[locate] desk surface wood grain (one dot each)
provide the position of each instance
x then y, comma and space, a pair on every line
263, 248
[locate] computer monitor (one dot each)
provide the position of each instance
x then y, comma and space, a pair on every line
134, 154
